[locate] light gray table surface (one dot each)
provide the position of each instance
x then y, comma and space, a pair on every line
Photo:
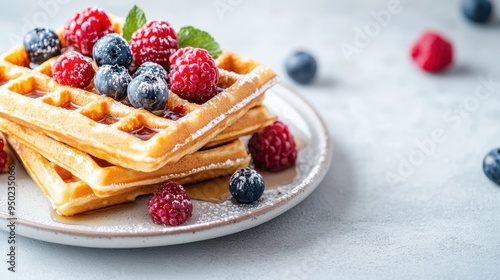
441, 220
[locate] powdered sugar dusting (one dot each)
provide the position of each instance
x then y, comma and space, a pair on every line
223, 116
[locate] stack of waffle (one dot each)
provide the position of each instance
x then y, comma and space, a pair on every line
86, 151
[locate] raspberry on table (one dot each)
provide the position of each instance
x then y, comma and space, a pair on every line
154, 42
246, 185
112, 49
85, 28
170, 205
273, 148
73, 69
112, 81
41, 44
193, 75
432, 52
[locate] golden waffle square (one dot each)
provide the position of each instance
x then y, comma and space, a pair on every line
69, 195
107, 179
113, 131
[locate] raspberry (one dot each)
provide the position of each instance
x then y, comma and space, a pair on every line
3, 155
194, 75
73, 69
154, 42
170, 205
273, 148
432, 52
85, 28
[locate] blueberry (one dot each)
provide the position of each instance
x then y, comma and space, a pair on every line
112, 81
152, 68
491, 165
301, 67
112, 49
41, 44
478, 11
148, 92
246, 185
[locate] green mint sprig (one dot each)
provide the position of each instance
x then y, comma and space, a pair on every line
189, 36
135, 20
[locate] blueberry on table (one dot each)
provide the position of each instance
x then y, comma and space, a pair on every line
112, 49
246, 185
148, 92
112, 81
478, 11
491, 165
301, 67
41, 44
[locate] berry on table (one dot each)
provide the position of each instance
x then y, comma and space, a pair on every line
73, 69
193, 75
478, 11
273, 148
491, 165
432, 52
112, 49
153, 69
112, 81
155, 42
301, 67
170, 205
148, 92
85, 28
246, 185
41, 44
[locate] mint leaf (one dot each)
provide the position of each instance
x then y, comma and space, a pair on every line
189, 36
135, 20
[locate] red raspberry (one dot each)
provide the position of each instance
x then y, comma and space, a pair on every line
3, 156
155, 42
170, 205
273, 148
85, 28
432, 52
194, 75
73, 69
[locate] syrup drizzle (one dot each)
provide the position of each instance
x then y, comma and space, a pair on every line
144, 133
70, 106
35, 94
107, 119
174, 114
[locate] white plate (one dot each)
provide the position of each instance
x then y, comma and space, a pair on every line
130, 226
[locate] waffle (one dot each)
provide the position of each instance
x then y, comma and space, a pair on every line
107, 179
69, 195
126, 136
